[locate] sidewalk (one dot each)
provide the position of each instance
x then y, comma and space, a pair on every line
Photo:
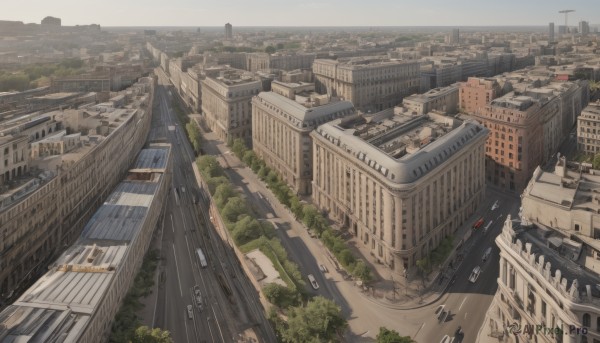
387, 291
412, 293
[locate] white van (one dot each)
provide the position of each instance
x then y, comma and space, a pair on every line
486, 254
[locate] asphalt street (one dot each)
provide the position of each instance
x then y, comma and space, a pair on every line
229, 302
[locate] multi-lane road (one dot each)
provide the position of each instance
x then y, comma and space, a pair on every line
466, 302
229, 302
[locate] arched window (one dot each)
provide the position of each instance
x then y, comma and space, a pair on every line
587, 320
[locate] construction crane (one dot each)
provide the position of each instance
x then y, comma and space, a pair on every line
566, 12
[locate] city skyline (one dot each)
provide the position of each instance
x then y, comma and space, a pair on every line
351, 13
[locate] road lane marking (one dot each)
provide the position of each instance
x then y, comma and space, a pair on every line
419, 330
218, 325
172, 224
177, 269
186, 328
462, 303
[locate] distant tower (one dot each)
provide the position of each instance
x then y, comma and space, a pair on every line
51, 21
584, 28
228, 31
454, 37
551, 32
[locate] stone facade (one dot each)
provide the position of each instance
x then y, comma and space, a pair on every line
415, 182
226, 104
369, 83
588, 130
281, 125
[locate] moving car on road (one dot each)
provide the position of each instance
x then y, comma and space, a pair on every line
313, 281
495, 205
198, 297
486, 254
201, 257
190, 312
475, 274
478, 223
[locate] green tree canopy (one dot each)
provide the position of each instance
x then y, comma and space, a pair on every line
209, 165
391, 336
234, 208
144, 334
246, 229
222, 194
320, 320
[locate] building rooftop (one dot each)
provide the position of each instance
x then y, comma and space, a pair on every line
574, 191
403, 148
60, 305
304, 116
561, 253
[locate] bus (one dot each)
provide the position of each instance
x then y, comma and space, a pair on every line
201, 257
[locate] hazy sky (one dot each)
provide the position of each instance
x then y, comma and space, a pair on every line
302, 12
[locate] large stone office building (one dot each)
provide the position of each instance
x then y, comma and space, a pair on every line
550, 262
226, 104
281, 124
370, 83
400, 183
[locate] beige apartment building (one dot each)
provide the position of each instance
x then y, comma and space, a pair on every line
400, 183
263, 61
588, 129
226, 104
370, 83
281, 125
439, 99
550, 262
47, 209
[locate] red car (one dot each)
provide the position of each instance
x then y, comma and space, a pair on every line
478, 223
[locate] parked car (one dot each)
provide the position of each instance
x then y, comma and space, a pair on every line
478, 223
323, 268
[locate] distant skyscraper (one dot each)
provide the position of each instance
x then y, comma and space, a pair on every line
228, 31
584, 28
562, 30
551, 32
454, 37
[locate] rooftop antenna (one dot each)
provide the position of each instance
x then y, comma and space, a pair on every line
566, 12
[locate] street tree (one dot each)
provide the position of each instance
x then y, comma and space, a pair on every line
144, 334
320, 319
234, 208
391, 336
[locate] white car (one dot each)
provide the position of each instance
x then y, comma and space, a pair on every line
475, 274
190, 312
495, 205
322, 268
313, 281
